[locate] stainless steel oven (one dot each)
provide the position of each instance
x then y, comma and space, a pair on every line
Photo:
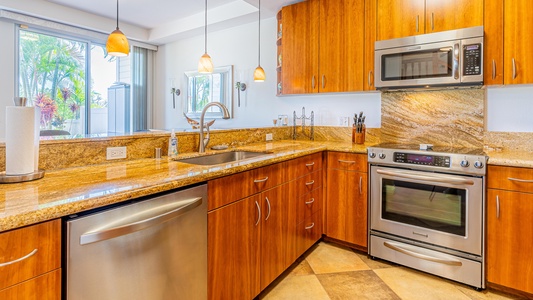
427, 211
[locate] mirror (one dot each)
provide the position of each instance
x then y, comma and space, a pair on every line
205, 88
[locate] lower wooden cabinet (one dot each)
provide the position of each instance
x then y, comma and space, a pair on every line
346, 201
30, 262
233, 245
510, 239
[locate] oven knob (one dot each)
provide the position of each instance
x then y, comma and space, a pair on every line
465, 163
371, 154
382, 155
478, 164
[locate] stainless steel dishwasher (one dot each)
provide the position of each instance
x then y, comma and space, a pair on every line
154, 248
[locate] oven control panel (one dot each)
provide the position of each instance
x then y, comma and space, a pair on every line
422, 159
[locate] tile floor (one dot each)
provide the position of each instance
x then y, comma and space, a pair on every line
329, 271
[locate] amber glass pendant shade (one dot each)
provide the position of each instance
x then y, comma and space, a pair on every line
117, 44
205, 65
259, 74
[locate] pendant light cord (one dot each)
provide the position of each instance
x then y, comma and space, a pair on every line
205, 28
117, 14
259, 41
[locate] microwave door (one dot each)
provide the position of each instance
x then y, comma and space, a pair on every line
428, 64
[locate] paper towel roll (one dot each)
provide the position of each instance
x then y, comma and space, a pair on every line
22, 140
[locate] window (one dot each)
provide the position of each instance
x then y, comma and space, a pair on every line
205, 88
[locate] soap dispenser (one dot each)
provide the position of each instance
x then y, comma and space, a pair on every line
173, 145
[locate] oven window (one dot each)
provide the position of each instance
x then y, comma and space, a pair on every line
429, 206
415, 65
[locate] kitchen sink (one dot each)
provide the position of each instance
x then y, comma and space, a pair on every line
220, 158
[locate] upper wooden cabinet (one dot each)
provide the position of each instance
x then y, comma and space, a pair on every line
400, 18
322, 47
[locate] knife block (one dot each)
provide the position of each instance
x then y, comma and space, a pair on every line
358, 137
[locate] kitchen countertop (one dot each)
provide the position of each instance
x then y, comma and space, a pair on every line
72, 190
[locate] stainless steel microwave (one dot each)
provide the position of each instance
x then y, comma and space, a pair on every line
444, 59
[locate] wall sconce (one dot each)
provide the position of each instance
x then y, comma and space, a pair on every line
175, 92
241, 87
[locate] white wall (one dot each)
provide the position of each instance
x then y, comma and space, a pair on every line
259, 105
509, 109
7, 72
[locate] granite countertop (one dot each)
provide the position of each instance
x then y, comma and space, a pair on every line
68, 191
511, 158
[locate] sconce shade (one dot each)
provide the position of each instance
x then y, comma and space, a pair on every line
205, 65
259, 74
117, 44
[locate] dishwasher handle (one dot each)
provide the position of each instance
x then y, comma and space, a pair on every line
116, 231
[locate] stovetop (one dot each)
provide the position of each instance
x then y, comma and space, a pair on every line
457, 160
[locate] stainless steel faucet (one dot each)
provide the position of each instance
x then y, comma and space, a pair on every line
205, 141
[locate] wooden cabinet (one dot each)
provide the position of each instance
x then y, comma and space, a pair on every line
323, 46
251, 241
346, 202
233, 241
30, 262
493, 42
370, 38
510, 227
399, 18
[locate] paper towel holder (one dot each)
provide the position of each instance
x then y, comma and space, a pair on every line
21, 178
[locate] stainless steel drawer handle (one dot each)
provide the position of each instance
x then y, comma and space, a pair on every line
422, 256
323, 81
497, 207
310, 201
175, 209
432, 21
261, 180
346, 161
310, 226
520, 180
360, 185
370, 78
440, 179
313, 82
493, 69
19, 259
258, 213
310, 182
310, 164
514, 69
268, 203
417, 20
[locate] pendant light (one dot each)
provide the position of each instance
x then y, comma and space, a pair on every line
117, 43
259, 73
205, 65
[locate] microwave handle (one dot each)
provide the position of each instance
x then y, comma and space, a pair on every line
455, 68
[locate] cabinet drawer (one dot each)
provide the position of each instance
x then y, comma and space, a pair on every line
510, 178
304, 165
306, 184
310, 231
308, 204
347, 161
47, 287
231, 188
29, 252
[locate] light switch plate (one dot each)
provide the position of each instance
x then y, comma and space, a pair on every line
268, 137
116, 152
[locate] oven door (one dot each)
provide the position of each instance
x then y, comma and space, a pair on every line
445, 210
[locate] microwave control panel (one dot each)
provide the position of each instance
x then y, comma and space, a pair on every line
472, 59
422, 159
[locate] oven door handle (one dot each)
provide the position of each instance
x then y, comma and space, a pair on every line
439, 179
422, 256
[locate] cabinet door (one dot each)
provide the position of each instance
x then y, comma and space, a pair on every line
493, 42
509, 236
399, 18
518, 44
346, 213
44, 287
233, 250
370, 38
341, 45
299, 61
453, 14
274, 233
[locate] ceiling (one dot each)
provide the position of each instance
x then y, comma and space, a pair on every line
151, 14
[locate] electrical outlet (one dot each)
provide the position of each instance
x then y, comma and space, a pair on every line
116, 152
268, 137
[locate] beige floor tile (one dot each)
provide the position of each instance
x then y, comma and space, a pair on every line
302, 268
413, 285
485, 294
360, 285
305, 287
330, 258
